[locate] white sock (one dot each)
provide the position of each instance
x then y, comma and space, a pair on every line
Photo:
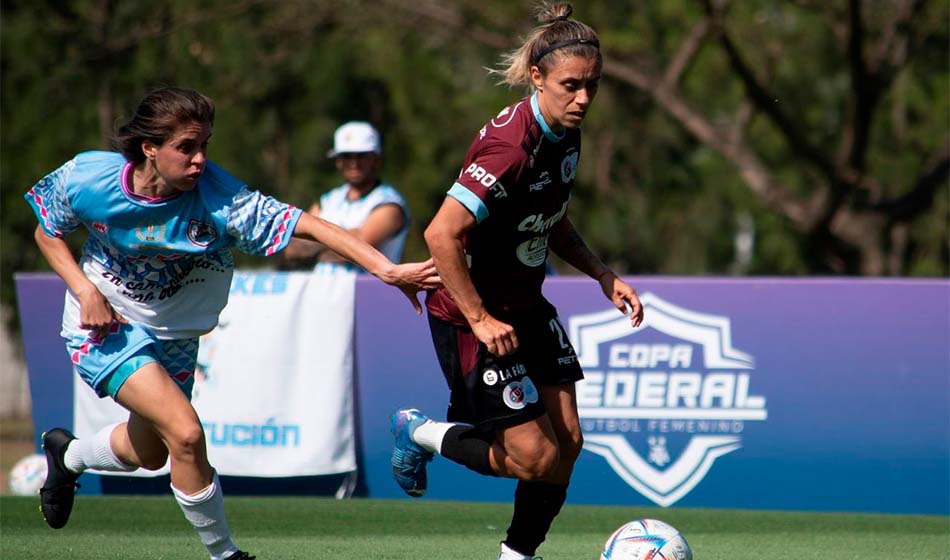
95, 453
508, 553
429, 434
205, 511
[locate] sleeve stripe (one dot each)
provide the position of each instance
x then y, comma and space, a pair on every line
43, 213
284, 231
470, 201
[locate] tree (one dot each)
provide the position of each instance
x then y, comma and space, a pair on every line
832, 117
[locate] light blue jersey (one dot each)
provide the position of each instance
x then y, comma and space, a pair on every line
337, 208
162, 263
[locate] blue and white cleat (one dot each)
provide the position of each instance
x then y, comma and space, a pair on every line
409, 459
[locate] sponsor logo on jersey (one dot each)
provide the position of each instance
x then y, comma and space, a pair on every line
534, 251
569, 167
519, 394
486, 179
537, 223
150, 233
201, 233
490, 377
545, 179
661, 403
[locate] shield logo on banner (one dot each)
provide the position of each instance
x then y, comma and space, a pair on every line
662, 402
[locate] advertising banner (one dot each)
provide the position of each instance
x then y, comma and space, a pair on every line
808, 394
274, 384
735, 393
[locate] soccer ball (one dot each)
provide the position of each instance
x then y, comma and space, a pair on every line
28, 475
646, 539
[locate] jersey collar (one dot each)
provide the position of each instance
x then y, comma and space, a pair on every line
548, 133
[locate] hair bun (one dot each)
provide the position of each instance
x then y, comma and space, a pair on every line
561, 11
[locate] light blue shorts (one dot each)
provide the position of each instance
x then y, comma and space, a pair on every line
105, 364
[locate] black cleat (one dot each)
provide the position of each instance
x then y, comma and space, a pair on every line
240, 555
59, 490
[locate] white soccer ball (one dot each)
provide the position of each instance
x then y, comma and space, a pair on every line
28, 475
646, 539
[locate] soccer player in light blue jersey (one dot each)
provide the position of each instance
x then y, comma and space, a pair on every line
504, 353
154, 275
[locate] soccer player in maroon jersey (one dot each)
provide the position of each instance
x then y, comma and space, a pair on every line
505, 355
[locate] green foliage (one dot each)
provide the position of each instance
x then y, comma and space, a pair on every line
652, 198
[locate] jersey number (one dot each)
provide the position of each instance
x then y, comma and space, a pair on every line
556, 329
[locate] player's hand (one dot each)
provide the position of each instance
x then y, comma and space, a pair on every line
95, 312
623, 296
499, 337
413, 278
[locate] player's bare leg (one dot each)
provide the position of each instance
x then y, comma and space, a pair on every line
157, 402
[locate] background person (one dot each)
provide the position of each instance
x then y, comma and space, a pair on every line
154, 275
505, 355
370, 209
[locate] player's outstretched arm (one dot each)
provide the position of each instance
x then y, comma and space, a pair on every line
410, 278
567, 243
301, 250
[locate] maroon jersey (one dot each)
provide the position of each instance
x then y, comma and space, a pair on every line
517, 182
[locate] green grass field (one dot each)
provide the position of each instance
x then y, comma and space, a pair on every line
152, 527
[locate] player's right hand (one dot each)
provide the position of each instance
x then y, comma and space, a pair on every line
498, 337
95, 312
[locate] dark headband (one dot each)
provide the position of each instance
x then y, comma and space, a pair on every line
592, 42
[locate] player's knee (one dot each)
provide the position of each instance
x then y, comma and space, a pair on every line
571, 447
186, 439
540, 462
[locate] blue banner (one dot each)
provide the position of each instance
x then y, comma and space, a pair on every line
798, 394
826, 395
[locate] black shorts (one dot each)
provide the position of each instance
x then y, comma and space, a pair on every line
492, 392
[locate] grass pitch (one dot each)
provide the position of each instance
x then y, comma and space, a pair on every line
152, 527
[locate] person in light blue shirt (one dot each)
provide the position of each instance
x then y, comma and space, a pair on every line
154, 275
365, 206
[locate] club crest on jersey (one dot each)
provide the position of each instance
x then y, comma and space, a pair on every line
569, 167
661, 403
201, 233
100, 227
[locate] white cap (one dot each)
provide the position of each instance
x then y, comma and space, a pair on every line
355, 137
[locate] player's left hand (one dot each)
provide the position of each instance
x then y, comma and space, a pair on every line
413, 278
623, 296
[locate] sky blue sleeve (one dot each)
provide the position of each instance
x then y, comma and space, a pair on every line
49, 199
262, 225
470, 201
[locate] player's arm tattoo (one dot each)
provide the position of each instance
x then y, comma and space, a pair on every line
568, 244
